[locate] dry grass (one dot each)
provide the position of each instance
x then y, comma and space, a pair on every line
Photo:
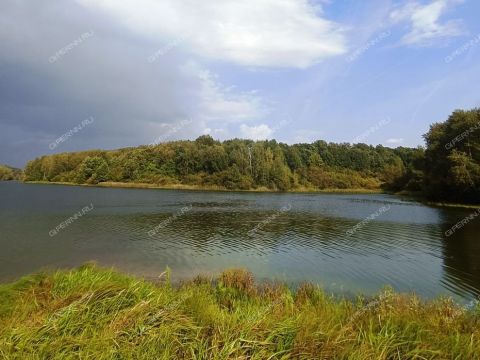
261, 189
101, 314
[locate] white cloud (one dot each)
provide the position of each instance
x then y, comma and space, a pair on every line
260, 132
220, 103
306, 136
395, 141
425, 26
216, 133
263, 33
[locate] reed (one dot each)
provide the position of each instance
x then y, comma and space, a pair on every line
101, 314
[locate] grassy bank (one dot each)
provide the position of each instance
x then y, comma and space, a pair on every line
101, 314
301, 190
132, 185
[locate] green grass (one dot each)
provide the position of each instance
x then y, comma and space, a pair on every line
92, 313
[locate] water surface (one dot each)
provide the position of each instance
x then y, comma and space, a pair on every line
287, 237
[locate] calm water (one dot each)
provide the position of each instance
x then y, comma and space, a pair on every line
404, 246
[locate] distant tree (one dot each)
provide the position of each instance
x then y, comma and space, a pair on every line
452, 158
315, 160
294, 159
449, 167
205, 140
6, 173
93, 170
394, 173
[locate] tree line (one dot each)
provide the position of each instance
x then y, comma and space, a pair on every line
448, 168
232, 164
8, 173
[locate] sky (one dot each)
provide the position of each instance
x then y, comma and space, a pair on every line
106, 74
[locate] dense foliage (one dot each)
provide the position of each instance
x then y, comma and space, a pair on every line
8, 173
452, 158
448, 169
99, 314
232, 164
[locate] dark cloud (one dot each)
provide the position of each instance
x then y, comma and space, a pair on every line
105, 75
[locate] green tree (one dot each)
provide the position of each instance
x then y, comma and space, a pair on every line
93, 170
6, 173
452, 158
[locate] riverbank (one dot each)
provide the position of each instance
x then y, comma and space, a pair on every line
209, 188
98, 313
121, 185
415, 196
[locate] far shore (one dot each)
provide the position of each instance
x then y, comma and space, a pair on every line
412, 196
209, 188
421, 198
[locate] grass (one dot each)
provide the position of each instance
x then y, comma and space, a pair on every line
133, 185
412, 196
92, 313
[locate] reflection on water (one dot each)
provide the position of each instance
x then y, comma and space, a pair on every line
404, 246
461, 255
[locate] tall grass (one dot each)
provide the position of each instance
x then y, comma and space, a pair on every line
100, 314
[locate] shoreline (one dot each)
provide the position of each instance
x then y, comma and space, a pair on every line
420, 198
123, 185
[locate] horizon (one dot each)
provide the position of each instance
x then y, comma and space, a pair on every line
295, 71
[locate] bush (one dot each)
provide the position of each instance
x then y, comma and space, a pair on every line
6, 173
93, 170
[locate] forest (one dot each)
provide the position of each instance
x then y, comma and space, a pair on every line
8, 173
447, 168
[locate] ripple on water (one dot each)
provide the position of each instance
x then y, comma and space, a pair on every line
404, 246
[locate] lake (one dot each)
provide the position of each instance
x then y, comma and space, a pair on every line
346, 243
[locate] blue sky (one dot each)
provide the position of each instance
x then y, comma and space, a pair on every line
377, 71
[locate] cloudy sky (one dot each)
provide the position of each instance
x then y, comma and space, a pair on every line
376, 71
